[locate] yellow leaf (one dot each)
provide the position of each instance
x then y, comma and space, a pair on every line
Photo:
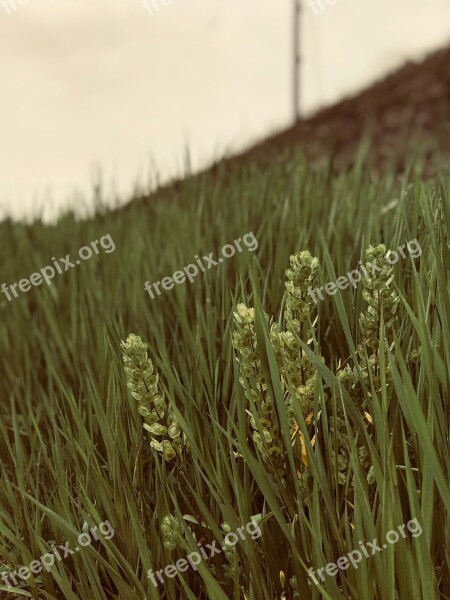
303, 446
304, 455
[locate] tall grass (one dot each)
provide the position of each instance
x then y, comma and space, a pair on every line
72, 445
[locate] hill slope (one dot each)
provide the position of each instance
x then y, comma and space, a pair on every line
412, 103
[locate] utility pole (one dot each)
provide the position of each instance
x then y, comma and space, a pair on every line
296, 57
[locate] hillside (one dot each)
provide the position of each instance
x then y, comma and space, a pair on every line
412, 104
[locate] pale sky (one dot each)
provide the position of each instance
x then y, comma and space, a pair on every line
101, 84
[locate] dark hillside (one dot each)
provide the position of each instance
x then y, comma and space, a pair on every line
410, 106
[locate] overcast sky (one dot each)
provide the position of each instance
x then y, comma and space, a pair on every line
91, 84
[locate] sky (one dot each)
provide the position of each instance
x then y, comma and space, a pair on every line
102, 89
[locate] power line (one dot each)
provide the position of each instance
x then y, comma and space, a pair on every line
296, 61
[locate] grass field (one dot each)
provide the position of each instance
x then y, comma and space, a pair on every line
358, 452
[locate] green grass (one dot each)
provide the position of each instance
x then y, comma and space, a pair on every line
72, 446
